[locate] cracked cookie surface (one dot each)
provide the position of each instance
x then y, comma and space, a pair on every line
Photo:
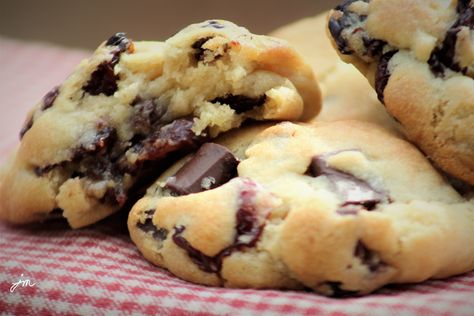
95, 141
301, 206
419, 57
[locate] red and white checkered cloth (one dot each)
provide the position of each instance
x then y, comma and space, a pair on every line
98, 271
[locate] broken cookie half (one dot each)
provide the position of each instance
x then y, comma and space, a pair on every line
130, 109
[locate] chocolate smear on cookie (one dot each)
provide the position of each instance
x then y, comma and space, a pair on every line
368, 257
248, 230
149, 227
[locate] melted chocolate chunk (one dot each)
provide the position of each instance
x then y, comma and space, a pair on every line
443, 57
338, 291
241, 103
103, 80
119, 40
355, 192
367, 257
383, 74
115, 195
212, 166
49, 98
175, 136
146, 116
248, 232
149, 227
336, 26
199, 51
26, 126
102, 142
104, 157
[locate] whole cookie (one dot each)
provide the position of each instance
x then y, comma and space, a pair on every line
419, 56
125, 113
325, 207
346, 93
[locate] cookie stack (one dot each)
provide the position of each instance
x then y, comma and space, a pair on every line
338, 206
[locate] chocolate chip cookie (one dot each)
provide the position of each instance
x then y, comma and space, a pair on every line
124, 114
341, 208
346, 93
419, 57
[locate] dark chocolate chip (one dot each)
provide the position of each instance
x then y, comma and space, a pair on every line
119, 40
368, 257
102, 142
374, 47
26, 126
197, 46
463, 188
247, 223
146, 114
383, 74
115, 195
103, 80
241, 103
462, 6
149, 227
49, 98
337, 25
443, 57
214, 24
212, 166
466, 14
338, 291
248, 232
354, 192
48, 101
40, 171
